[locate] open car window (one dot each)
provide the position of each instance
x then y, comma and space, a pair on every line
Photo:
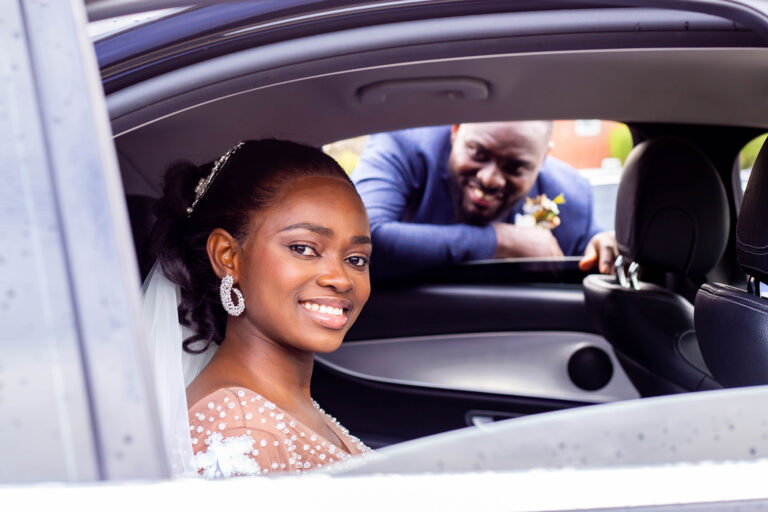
747, 158
594, 150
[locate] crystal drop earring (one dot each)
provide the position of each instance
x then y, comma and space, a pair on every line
225, 291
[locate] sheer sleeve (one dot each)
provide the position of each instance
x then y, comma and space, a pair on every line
229, 440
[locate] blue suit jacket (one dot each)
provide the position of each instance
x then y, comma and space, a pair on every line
404, 182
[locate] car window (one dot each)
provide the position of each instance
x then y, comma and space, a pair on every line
595, 149
747, 158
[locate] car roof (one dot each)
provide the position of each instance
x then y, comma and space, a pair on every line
176, 32
628, 64
199, 32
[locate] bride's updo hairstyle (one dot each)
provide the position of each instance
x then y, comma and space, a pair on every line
248, 181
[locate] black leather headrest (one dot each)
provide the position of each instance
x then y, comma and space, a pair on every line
671, 209
731, 326
752, 225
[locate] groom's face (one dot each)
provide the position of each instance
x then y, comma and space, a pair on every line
495, 165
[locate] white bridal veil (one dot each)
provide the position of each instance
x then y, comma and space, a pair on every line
172, 368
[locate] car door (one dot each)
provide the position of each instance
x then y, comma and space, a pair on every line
468, 345
74, 392
486, 340
503, 330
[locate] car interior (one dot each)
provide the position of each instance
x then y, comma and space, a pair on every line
494, 340
673, 217
730, 321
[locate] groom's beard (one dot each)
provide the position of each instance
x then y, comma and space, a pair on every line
461, 215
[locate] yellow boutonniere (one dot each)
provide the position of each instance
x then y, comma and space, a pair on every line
541, 211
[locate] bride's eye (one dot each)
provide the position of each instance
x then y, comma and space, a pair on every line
303, 249
358, 261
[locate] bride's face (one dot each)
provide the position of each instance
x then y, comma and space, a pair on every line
305, 265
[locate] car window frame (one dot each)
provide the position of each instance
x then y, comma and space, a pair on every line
63, 117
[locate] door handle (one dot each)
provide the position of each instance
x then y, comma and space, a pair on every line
476, 418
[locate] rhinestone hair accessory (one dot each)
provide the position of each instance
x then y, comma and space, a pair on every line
205, 182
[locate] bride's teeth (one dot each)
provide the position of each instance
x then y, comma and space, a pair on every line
321, 308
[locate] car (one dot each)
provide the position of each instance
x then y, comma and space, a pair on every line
92, 123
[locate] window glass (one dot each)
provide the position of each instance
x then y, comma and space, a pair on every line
597, 150
747, 158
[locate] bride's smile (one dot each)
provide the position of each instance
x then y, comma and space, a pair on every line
304, 265
328, 312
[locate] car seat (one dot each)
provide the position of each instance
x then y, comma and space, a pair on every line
671, 216
733, 323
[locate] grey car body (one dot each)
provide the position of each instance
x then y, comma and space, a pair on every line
74, 371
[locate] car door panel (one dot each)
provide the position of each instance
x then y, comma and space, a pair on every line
531, 364
383, 413
458, 308
462, 348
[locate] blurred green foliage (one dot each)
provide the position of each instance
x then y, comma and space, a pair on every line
347, 160
750, 151
620, 142
347, 152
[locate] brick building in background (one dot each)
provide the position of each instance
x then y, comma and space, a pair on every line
584, 143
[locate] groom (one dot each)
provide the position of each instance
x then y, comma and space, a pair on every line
448, 194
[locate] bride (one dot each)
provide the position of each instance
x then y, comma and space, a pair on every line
268, 254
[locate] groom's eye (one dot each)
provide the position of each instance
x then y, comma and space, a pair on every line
478, 154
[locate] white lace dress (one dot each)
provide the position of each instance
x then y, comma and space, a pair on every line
236, 431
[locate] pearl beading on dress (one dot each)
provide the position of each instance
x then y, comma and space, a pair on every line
240, 432
356, 441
